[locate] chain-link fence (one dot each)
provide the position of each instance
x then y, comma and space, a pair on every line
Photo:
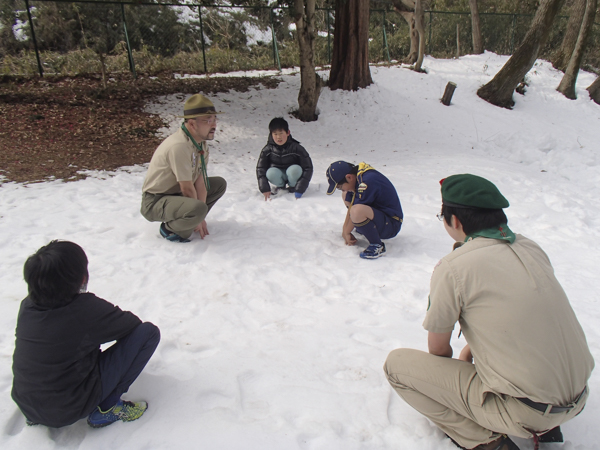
68, 37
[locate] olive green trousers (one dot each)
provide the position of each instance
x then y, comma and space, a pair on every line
182, 214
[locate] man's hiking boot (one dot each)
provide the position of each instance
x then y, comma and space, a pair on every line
123, 410
373, 251
502, 443
554, 435
170, 235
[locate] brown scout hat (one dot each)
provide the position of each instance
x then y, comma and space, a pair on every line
198, 105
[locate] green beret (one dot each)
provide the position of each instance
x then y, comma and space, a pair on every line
471, 191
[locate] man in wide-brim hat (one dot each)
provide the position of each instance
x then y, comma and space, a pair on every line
177, 190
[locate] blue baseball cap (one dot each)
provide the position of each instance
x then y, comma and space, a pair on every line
336, 173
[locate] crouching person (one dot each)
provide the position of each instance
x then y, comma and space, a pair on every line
525, 367
60, 374
283, 161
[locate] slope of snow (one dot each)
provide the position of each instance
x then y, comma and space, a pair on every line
274, 332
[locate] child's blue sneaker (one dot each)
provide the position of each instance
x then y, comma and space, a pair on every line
170, 235
373, 251
123, 410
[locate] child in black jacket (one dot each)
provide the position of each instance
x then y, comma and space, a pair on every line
60, 374
283, 161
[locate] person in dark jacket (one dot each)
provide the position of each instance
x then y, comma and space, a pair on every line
60, 373
283, 161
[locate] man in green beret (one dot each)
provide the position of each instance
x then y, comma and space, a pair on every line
526, 364
177, 190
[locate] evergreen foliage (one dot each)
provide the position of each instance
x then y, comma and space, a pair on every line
237, 34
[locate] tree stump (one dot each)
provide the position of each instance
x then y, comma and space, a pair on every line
448, 93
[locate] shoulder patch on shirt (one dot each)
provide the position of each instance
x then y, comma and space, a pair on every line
362, 187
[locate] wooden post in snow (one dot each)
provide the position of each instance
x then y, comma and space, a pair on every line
448, 93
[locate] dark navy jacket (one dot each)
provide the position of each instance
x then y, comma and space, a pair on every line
282, 157
55, 364
375, 190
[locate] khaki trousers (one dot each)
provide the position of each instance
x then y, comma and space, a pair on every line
449, 392
182, 214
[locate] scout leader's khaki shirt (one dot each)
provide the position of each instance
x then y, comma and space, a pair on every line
514, 314
175, 160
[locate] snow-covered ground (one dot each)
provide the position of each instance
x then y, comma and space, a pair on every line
274, 332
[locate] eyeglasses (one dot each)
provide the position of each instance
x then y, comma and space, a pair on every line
440, 216
211, 120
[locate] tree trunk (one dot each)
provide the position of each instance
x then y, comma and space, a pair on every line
567, 84
310, 82
103, 68
500, 89
414, 36
420, 27
350, 61
406, 8
594, 90
476, 28
561, 57
457, 41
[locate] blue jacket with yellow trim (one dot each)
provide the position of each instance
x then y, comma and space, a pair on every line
375, 190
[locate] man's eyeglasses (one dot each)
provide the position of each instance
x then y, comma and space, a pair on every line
440, 216
211, 120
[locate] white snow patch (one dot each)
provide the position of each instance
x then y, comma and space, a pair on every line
274, 332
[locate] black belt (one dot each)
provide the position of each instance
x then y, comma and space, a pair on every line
550, 409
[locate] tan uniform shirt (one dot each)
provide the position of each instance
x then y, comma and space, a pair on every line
175, 160
524, 336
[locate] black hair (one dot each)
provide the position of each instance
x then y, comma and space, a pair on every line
55, 273
353, 170
474, 219
278, 123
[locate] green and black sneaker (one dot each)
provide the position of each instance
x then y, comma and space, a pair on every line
123, 410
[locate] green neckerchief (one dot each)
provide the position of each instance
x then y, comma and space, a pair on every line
501, 232
201, 151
